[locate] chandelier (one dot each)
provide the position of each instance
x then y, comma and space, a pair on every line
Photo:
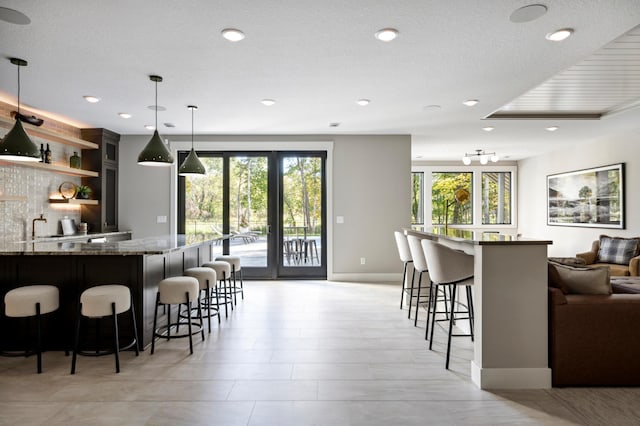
482, 156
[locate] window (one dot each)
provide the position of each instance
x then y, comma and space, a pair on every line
496, 198
464, 196
451, 193
417, 201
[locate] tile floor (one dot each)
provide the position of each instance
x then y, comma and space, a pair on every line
295, 353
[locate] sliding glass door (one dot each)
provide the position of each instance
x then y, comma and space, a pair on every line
266, 207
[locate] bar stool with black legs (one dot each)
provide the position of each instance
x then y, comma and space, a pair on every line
223, 273
31, 301
452, 268
405, 257
104, 301
420, 265
207, 279
178, 291
236, 269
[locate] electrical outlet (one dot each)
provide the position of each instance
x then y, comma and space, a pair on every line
363, 260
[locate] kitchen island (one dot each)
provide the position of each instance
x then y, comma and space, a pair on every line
75, 266
510, 306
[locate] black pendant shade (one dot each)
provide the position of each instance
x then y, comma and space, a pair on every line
156, 152
192, 166
16, 145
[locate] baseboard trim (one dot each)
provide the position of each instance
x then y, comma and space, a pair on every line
367, 278
510, 378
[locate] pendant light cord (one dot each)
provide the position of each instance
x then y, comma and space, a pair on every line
156, 105
192, 128
18, 89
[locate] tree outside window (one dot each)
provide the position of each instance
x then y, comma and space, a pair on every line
443, 188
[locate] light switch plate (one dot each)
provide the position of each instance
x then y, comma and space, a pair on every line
339, 219
162, 219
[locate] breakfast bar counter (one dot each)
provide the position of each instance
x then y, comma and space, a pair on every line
75, 266
510, 307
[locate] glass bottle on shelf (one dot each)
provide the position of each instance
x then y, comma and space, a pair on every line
41, 153
47, 155
74, 161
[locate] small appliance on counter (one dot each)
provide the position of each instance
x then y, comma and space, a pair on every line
68, 226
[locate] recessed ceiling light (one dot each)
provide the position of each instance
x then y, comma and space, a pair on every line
267, 102
488, 128
232, 34
149, 127
363, 102
560, 35
157, 108
334, 124
13, 16
528, 13
431, 107
386, 34
552, 128
91, 99
124, 114
471, 102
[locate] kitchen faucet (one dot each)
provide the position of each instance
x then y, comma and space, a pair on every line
33, 224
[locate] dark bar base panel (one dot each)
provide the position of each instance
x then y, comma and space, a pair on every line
72, 274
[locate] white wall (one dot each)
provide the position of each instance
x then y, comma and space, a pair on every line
532, 187
370, 188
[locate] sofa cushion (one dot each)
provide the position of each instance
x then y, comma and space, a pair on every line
571, 261
617, 250
579, 280
614, 270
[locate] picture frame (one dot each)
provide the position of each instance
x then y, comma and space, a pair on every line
592, 198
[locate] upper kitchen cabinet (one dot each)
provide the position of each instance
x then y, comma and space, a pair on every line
103, 217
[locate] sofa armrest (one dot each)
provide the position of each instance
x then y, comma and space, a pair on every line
634, 266
589, 257
594, 340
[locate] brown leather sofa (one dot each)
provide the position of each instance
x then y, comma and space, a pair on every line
594, 340
591, 259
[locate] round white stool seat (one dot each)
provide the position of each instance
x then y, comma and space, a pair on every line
220, 267
234, 261
172, 290
96, 301
203, 275
21, 301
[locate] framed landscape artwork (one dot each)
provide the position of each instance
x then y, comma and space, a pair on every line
590, 198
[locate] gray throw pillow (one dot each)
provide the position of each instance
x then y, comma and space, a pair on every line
579, 280
617, 250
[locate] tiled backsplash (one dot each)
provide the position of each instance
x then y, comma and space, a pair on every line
37, 186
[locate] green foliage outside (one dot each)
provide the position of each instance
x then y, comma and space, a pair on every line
443, 187
248, 196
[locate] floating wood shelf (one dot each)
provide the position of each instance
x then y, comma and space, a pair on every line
49, 134
13, 198
53, 168
74, 201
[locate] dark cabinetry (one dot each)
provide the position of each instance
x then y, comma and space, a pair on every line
103, 217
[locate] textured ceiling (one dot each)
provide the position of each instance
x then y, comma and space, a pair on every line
315, 58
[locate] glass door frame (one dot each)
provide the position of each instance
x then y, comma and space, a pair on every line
275, 257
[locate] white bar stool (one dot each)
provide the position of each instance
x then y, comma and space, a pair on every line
451, 268
105, 301
420, 265
405, 257
32, 301
177, 291
223, 272
236, 268
207, 279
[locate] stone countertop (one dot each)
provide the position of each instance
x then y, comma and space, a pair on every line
476, 237
152, 245
60, 238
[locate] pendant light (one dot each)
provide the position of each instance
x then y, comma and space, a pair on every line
16, 145
156, 152
192, 166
